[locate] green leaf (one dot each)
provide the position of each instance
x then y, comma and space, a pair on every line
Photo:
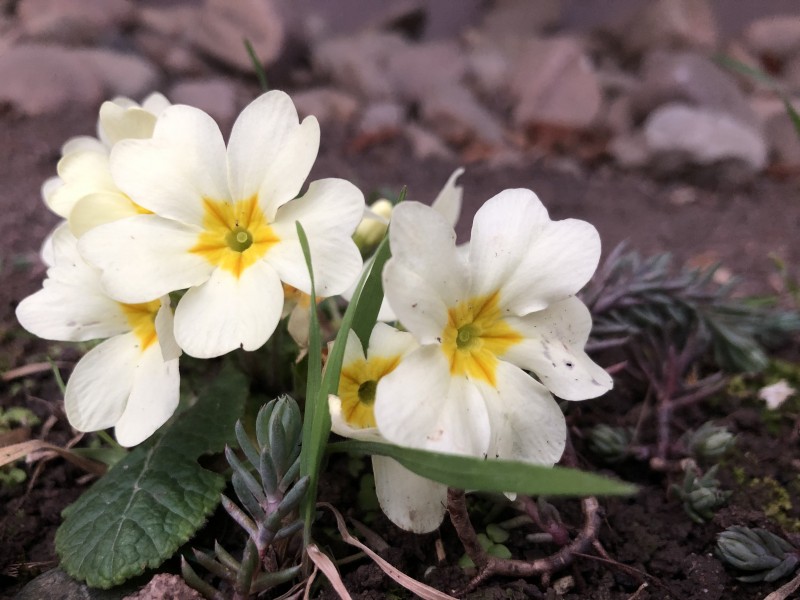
792, 114
371, 298
468, 472
257, 66
154, 499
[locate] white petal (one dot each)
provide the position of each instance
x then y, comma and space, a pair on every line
329, 212
515, 248
119, 122
82, 172
174, 171
299, 323
98, 389
100, 208
83, 143
421, 406
425, 243
448, 202
156, 103
527, 424
415, 302
340, 426
270, 152
165, 330
71, 313
387, 341
47, 251
153, 398
411, 502
145, 257
553, 349
227, 312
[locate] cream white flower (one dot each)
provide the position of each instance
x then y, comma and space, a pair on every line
131, 380
224, 223
410, 501
84, 191
480, 320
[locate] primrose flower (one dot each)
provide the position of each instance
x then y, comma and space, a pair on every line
224, 223
131, 380
483, 316
410, 501
84, 191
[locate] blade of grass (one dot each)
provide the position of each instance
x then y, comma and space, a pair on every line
468, 472
257, 66
792, 114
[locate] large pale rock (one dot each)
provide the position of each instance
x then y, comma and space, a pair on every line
521, 18
704, 136
38, 80
121, 74
489, 72
775, 36
455, 115
359, 64
326, 104
216, 96
420, 68
163, 36
222, 25
73, 21
692, 79
555, 84
670, 24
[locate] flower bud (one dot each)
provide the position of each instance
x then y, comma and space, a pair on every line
709, 442
609, 443
373, 226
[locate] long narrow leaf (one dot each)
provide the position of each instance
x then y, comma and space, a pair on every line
257, 66
369, 302
467, 472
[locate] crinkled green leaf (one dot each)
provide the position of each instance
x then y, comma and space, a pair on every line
155, 499
470, 473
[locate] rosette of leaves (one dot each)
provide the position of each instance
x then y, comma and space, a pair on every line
709, 442
762, 554
611, 444
267, 486
701, 495
631, 295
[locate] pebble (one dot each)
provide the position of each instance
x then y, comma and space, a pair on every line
73, 21
418, 69
327, 104
670, 24
121, 74
455, 115
776, 36
216, 96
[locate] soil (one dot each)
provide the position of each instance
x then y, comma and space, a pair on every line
649, 533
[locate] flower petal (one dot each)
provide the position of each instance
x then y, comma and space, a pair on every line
329, 211
98, 389
153, 398
270, 152
425, 243
421, 406
165, 330
527, 424
340, 426
227, 312
145, 257
388, 342
553, 349
448, 202
118, 122
100, 208
81, 172
415, 302
411, 502
534, 261
173, 172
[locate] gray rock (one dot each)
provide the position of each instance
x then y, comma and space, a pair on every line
359, 64
670, 24
426, 145
382, 118
162, 34
222, 25
420, 68
555, 84
73, 21
38, 80
489, 72
57, 585
121, 74
326, 104
703, 136
216, 96
776, 36
521, 18
630, 150
692, 79
455, 115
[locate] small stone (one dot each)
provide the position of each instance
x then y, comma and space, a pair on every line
55, 583
222, 26
359, 64
381, 118
40, 80
164, 586
777, 36
426, 145
73, 21
456, 116
216, 96
683, 195
489, 72
704, 136
163, 35
326, 104
555, 84
670, 24
417, 69
690, 78
521, 18
121, 74
630, 150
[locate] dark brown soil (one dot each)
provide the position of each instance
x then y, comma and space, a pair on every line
649, 532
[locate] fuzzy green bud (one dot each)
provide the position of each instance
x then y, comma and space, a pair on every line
710, 442
610, 443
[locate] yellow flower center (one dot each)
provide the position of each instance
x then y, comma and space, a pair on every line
236, 234
357, 386
142, 319
474, 337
